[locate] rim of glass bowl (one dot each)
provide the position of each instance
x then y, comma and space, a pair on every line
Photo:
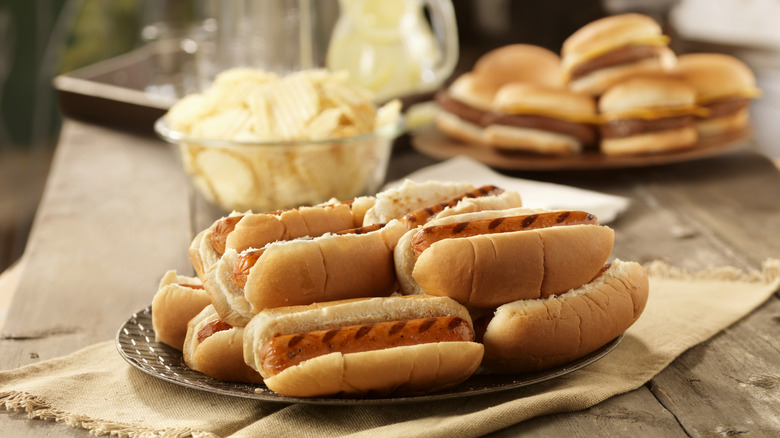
170, 135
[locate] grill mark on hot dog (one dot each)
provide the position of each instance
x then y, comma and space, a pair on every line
528, 221
426, 237
277, 354
424, 214
212, 327
495, 222
427, 324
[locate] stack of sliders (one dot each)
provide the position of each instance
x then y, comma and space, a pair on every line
513, 100
554, 105
338, 253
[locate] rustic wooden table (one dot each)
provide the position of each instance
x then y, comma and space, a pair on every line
117, 213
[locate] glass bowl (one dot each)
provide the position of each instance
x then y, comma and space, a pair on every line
242, 176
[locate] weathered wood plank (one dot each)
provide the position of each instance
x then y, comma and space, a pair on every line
636, 413
112, 220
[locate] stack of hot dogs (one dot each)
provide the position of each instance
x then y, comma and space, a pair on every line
409, 291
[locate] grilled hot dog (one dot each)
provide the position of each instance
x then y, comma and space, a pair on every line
363, 346
495, 257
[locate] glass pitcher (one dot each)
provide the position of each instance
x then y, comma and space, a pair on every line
389, 47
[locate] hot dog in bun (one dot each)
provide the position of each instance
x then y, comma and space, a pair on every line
373, 346
533, 335
490, 258
240, 231
178, 299
215, 349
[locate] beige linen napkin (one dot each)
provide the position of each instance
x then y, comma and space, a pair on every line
95, 389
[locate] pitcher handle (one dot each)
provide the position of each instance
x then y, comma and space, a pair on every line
445, 28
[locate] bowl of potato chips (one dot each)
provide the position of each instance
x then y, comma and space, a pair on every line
258, 141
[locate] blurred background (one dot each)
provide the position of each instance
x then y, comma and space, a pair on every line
41, 39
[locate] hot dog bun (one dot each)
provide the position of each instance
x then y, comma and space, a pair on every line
406, 369
240, 231
178, 299
439, 199
219, 355
494, 269
533, 335
306, 270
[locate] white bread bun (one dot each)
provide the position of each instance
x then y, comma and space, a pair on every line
475, 91
531, 140
716, 76
325, 268
202, 254
520, 63
714, 126
651, 142
225, 294
493, 269
533, 335
459, 129
646, 93
407, 369
178, 299
306, 270
219, 355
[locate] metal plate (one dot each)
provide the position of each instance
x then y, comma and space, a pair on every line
135, 341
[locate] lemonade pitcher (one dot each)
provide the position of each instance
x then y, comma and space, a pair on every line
389, 47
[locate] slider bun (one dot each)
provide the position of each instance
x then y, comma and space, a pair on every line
647, 92
220, 355
531, 140
459, 129
714, 75
546, 100
651, 142
493, 269
174, 305
613, 31
714, 126
474, 90
533, 335
398, 371
520, 63
408, 369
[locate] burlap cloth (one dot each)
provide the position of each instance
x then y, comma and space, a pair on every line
95, 388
